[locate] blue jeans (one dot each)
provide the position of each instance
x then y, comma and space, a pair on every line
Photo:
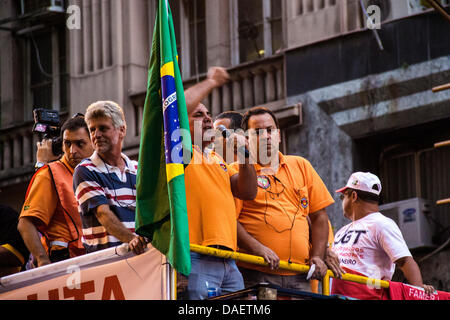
208, 271
296, 282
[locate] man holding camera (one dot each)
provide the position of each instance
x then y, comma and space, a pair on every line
50, 206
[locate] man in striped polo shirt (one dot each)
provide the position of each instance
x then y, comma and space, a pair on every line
105, 183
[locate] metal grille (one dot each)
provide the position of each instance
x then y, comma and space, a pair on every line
424, 174
435, 182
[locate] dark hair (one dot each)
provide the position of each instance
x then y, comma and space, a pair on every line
366, 196
234, 116
74, 124
257, 111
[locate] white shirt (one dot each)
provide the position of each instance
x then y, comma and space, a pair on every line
370, 246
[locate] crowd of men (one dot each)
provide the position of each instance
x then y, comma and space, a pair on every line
242, 195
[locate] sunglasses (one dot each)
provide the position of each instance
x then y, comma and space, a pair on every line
342, 195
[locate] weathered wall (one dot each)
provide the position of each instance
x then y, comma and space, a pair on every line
435, 270
327, 147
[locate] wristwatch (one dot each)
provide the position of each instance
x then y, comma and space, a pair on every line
39, 165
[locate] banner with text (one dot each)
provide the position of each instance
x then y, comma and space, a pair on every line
142, 277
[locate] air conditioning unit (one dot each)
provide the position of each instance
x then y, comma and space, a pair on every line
410, 216
390, 9
31, 6
396, 9
417, 6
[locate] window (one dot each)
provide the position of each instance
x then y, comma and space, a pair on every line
276, 26
46, 79
1, 97
197, 36
175, 8
259, 28
41, 70
409, 166
189, 21
251, 30
422, 173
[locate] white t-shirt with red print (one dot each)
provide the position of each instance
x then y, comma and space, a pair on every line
369, 246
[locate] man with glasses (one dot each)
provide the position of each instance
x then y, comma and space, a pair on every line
372, 244
275, 224
50, 206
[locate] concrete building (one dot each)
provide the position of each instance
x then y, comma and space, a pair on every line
346, 101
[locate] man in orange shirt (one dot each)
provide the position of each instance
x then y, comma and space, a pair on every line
50, 206
274, 225
211, 186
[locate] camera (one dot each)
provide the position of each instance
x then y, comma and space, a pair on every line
46, 124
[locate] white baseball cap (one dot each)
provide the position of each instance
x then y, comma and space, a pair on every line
364, 181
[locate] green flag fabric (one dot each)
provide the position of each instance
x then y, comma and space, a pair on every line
161, 213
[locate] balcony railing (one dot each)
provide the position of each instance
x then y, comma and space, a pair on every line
18, 153
257, 83
254, 83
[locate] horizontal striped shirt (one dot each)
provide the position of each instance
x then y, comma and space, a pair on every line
96, 183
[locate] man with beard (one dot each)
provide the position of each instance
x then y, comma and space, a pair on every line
105, 184
211, 186
50, 206
275, 224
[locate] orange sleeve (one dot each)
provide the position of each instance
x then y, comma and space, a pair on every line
319, 197
330, 234
42, 200
232, 170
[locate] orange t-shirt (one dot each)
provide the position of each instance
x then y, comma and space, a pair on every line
210, 202
43, 204
277, 216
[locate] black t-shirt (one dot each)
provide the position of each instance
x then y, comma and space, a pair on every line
9, 233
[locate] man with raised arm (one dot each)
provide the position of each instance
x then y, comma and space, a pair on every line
211, 186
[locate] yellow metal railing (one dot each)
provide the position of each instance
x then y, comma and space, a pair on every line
300, 268
441, 145
441, 88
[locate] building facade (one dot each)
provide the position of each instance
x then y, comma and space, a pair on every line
346, 101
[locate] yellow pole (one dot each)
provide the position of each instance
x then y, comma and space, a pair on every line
362, 280
443, 201
300, 268
441, 88
326, 284
442, 144
438, 7
174, 284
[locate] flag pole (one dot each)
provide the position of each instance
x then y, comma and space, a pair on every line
173, 280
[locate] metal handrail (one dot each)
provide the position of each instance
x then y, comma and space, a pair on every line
441, 88
284, 265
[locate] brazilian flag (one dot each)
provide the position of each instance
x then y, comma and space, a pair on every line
161, 213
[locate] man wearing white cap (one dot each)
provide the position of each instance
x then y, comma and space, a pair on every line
372, 244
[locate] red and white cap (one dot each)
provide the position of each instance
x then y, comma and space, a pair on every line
364, 181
